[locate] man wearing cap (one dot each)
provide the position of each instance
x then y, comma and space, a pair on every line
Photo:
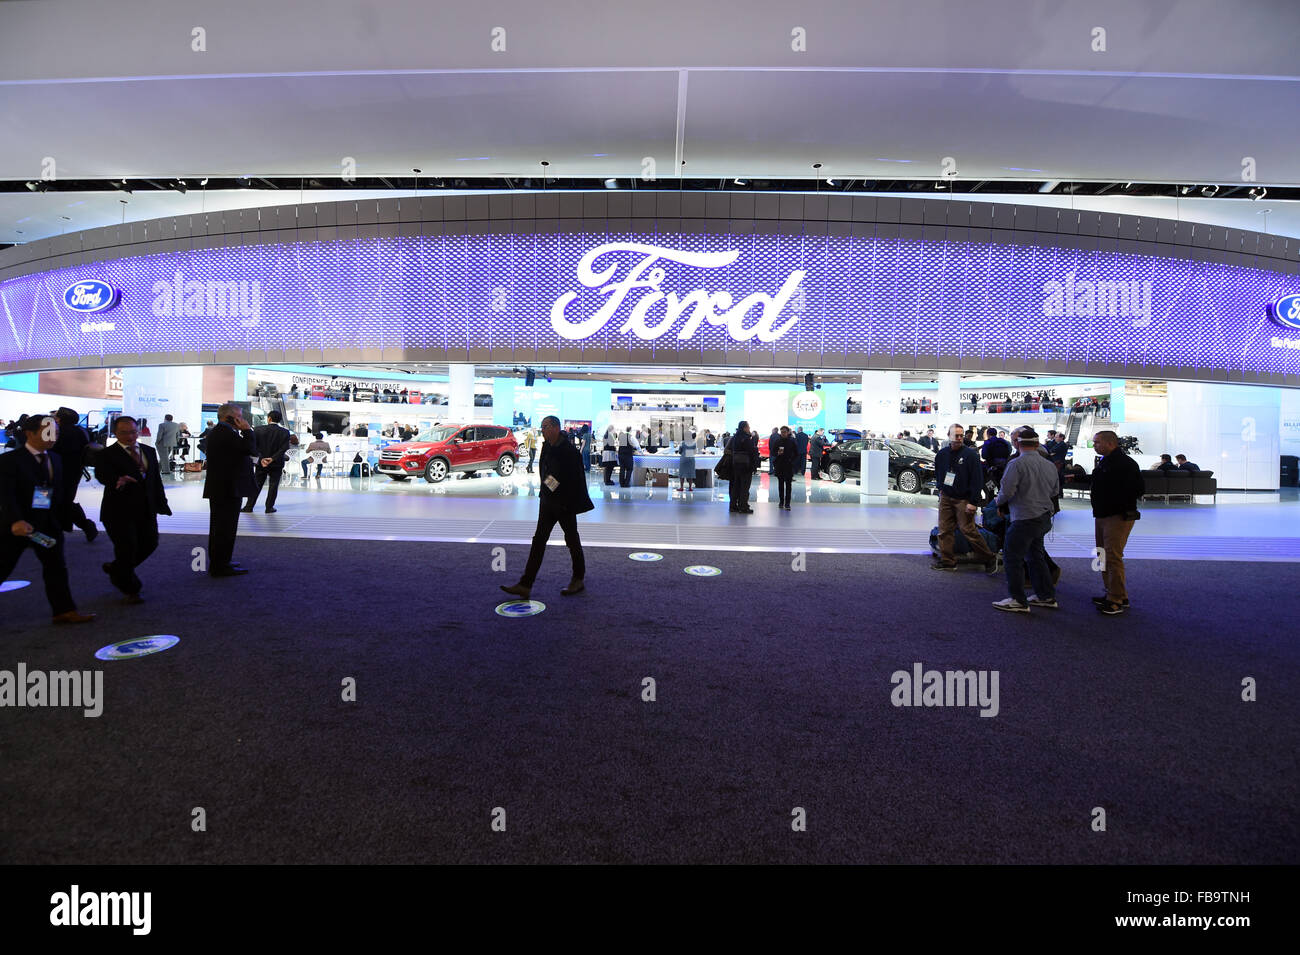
1028, 493
32, 502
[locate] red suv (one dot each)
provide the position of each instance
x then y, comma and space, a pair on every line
452, 447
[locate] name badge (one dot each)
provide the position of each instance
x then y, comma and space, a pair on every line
551, 483
949, 479
41, 498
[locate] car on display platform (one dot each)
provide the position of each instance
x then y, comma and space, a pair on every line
442, 450
911, 466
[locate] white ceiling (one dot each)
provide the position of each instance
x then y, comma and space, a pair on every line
1010, 89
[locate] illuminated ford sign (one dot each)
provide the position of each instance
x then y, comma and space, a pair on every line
1286, 311
90, 295
698, 306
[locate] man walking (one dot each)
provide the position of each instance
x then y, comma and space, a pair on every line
71, 448
32, 503
744, 457
783, 451
272, 451
168, 437
133, 498
1117, 486
960, 479
229, 479
1028, 495
563, 497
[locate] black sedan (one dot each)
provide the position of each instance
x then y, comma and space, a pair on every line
911, 466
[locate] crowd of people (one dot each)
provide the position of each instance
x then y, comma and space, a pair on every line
1022, 481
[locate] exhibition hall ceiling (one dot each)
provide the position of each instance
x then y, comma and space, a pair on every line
1181, 91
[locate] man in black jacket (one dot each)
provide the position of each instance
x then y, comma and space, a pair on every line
1185, 465
71, 447
133, 499
801, 459
231, 447
272, 451
563, 497
1117, 486
744, 458
817, 447
32, 501
960, 481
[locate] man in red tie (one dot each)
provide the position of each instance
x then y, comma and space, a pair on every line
133, 499
34, 513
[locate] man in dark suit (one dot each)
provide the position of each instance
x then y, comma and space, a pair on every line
801, 458
71, 447
32, 501
744, 460
231, 447
563, 497
133, 499
272, 451
1185, 465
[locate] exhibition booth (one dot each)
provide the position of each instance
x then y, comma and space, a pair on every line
1181, 336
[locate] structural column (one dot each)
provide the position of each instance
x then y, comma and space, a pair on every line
949, 401
460, 393
881, 393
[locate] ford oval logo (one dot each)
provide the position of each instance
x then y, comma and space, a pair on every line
1286, 311
90, 295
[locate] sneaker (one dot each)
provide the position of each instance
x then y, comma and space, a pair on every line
940, 565
1111, 609
1103, 599
1037, 601
994, 568
1012, 605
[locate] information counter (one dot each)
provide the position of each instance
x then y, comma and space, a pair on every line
646, 466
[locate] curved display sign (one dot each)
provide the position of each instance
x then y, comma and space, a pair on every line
737, 299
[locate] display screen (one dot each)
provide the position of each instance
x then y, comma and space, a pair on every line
711, 404
839, 297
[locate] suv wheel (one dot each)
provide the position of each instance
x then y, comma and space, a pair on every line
836, 473
909, 482
505, 465
435, 471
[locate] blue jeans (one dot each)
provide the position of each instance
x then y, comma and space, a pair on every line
1024, 542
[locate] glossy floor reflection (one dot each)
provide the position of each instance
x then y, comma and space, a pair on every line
826, 517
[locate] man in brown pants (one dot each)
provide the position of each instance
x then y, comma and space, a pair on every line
1116, 487
959, 477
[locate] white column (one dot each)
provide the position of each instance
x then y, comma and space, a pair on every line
949, 401
460, 394
881, 393
1232, 430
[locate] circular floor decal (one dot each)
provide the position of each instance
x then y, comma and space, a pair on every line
703, 570
139, 647
645, 555
520, 608
9, 585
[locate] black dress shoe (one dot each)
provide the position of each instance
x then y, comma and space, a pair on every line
231, 571
106, 568
91, 533
270, 510
245, 510
132, 599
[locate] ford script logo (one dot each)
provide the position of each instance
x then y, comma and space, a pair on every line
90, 295
1286, 311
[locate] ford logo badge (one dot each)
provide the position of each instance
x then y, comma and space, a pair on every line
90, 295
1286, 311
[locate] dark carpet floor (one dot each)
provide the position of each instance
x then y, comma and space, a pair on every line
773, 692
